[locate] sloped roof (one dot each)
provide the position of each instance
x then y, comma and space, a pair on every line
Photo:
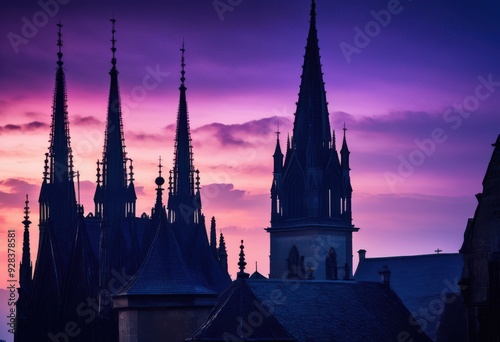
283, 310
421, 281
164, 271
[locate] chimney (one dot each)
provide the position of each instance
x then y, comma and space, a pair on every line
362, 255
385, 274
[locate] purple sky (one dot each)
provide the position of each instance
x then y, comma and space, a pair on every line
431, 71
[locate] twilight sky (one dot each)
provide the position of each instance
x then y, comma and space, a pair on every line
418, 90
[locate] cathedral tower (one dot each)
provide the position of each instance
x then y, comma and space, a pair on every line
311, 220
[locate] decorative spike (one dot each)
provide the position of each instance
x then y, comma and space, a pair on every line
26, 221
183, 64
113, 41
334, 142
25, 271
170, 186
59, 44
242, 263
46, 168
131, 168
213, 237
98, 174
159, 166
222, 253
197, 179
70, 156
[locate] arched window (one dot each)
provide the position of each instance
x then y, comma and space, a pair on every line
331, 265
294, 264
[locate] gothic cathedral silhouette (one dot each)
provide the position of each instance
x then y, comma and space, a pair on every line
311, 217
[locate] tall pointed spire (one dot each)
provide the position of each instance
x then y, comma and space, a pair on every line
312, 188
312, 108
25, 271
185, 179
114, 172
60, 150
344, 152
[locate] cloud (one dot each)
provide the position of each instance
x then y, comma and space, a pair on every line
86, 121
247, 134
27, 127
13, 192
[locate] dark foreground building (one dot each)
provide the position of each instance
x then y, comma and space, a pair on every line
480, 281
428, 287
300, 311
83, 262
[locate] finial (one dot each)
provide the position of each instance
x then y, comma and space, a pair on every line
78, 185
131, 168
182, 65
438, 251
197, 179
113, 41
313, 13
98, 174
170, 184
256, 266
59, 44
242, 263
71, 172
277, 131
46, 168
159, 180
27, 221
344, 129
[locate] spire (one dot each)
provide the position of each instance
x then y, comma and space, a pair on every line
25, 275
312, 106
114, 173
344, 152
60, 151
242, 263
159, 181
183, 65
278, 155
183, 183
113, 41
213, 238
59, 44
222, 253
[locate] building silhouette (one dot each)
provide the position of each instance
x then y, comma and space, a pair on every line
311, 189
83, 262
480, 283
114, 275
